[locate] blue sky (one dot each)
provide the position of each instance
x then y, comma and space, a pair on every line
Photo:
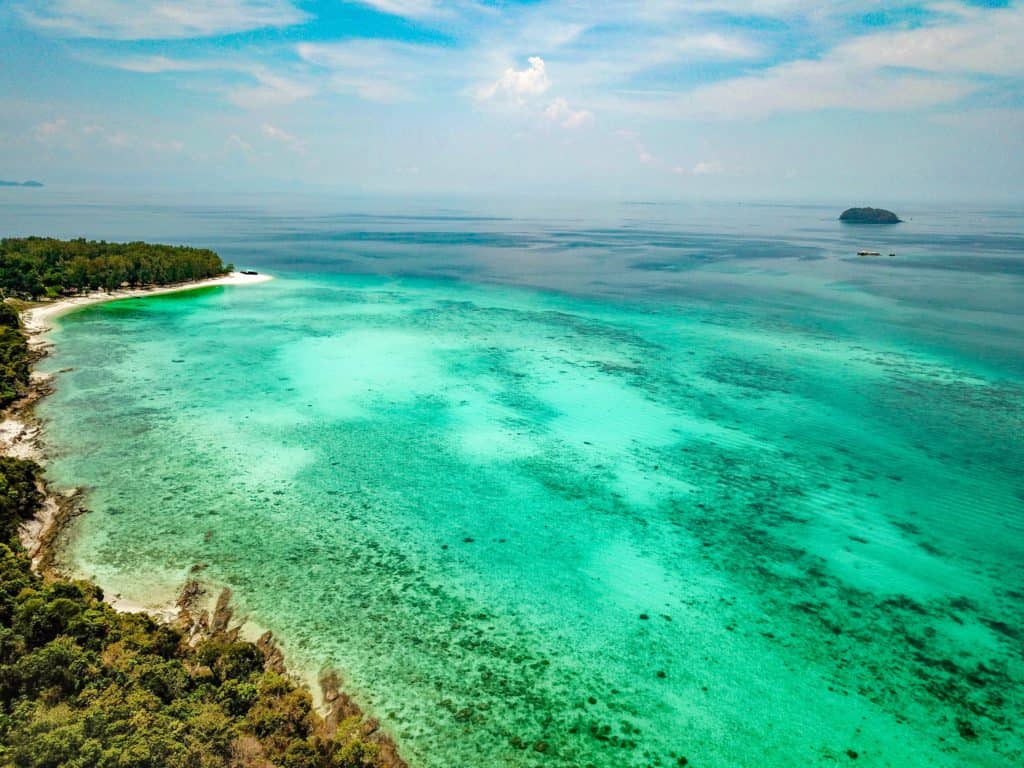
734, 99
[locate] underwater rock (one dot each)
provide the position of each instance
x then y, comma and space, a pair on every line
966, 730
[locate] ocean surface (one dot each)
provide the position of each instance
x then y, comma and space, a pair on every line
625, 485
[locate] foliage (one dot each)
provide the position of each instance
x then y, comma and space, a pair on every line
14, 360
35, 267
82, 686
32, 267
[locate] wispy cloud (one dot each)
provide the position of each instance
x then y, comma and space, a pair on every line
413, 9
261, 88
236, 142
59, 133
706, 168
476, 76
156, 19
283, 137
377, 70
891, 70
48, 130
271, 90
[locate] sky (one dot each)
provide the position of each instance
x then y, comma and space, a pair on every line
589, 99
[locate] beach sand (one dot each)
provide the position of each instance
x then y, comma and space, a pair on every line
20, 432
39, 320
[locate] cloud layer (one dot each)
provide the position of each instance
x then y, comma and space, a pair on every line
156, 19
659, 92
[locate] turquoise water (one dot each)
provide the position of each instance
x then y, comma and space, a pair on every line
609, 495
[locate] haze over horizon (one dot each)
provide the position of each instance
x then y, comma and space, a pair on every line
735, 99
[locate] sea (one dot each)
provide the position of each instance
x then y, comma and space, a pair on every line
597, 484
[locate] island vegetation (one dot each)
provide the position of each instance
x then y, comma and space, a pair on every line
83, 686
35, 267
14, 356
869, 216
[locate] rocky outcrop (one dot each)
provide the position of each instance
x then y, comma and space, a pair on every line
869, 216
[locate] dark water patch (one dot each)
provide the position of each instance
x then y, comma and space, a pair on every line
1010, 265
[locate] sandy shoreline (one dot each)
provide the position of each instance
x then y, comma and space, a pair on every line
39, 320
20, 434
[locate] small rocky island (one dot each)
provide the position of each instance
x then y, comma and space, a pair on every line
869, 216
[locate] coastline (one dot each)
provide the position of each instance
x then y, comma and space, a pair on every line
202, 611
21, 432
39, 319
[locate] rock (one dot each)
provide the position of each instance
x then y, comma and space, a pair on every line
273, 659
869, 216
190, 596
222, 613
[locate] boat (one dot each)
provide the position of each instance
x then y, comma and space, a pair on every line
868, 253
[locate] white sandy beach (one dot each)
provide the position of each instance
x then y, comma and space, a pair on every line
39, 320
19, 432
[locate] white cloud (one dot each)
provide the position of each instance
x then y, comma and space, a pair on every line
280, 135
152, 65
896, 70
811, 86
518, 85
237, 142
559, 111
273, 90
643, 154
61, 134
413, 9
706, 168
702, 168
267, 88
977, 42
377, 70
156, 19
173, 146
47, 131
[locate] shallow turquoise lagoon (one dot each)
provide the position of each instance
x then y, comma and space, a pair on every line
537, 529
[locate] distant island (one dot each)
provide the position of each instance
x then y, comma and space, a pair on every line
29, 183
869, 216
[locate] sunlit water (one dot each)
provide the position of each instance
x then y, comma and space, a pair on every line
610, 491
